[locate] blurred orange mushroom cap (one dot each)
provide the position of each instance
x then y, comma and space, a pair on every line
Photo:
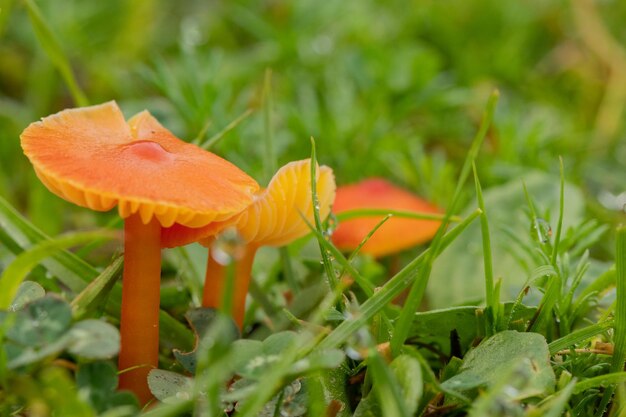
92, 157
396, 233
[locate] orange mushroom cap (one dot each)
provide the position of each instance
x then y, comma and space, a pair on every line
275, 218
92, 157
396, 233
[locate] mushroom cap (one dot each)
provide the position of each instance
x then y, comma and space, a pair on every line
276, 216
92, 157
396, 233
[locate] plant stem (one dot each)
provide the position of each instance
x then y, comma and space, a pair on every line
215, 283
139, 322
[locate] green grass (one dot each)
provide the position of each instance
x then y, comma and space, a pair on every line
532, 253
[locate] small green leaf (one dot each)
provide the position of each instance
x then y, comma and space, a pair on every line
278, 342
41, 322
243, 352
256, 358
200, 320
486, 364
169, 386
94, 339
27, 292
408, 372
97, 381
435, 327
318, 360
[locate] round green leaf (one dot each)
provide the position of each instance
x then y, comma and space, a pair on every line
94, 339
27, 292
41, 322
169, 386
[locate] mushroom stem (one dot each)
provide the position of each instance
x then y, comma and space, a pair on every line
215, 283
139, 322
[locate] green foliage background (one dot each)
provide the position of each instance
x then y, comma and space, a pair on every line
394, 89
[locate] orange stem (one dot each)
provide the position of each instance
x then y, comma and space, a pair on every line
139, 322
215, 283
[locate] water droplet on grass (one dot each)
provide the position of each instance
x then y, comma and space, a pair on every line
541, 231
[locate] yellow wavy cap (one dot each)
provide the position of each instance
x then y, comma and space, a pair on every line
275, 218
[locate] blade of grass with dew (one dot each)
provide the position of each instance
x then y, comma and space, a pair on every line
619, 335
407, 314
97, 289
553, 291
50, 44
15, 273
579, 336
559, 225
328, 265
19, 234
390, 290
356, 213
492, 313
366, 286
212, 141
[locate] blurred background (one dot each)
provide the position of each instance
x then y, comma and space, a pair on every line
393, 89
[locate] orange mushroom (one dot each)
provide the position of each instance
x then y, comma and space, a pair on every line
92, 157
274, 219
396, 233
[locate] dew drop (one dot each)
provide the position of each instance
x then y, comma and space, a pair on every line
228, 247
541, 231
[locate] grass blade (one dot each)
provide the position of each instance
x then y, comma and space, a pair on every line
600, 381
15, 273
356, 213
270, 154
209, 143
328, 266
390, 290
579, 336
492, 303
559, 225
97, 289
619, 338
416, 293
51, 45
19, 234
